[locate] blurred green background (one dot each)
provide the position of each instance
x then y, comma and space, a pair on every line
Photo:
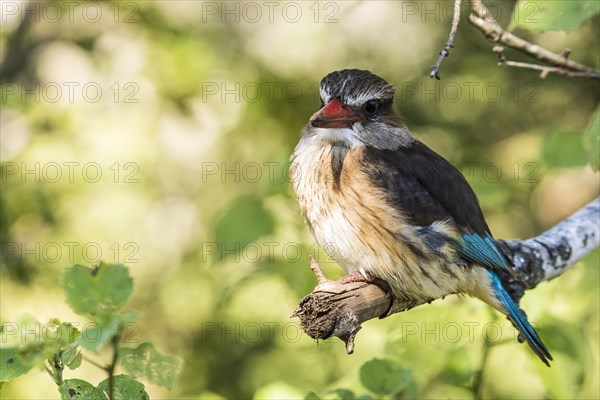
157, 134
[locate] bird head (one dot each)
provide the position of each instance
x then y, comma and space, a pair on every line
356, 109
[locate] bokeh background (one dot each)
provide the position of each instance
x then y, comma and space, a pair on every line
157, 134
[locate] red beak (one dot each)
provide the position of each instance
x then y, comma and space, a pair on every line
334, 115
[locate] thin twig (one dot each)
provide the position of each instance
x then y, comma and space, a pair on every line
314, 265
50, 373
449, 44
58, 367
478, 382
112, 366
95, 363
482, 19
545, 70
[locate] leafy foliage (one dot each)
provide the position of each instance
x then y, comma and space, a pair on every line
78, 389
11, 365
564, 150
148, 363
235, 231
99, 293
384, 377
126, 388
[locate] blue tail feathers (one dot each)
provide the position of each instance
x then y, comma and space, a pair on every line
482, 249
519, 320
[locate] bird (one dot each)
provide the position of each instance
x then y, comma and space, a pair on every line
386, 207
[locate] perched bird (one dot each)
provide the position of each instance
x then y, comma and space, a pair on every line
385, 206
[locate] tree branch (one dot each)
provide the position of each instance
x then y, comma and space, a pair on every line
339, 309
482, 19
450, 43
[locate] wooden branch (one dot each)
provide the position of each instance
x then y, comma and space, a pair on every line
450, 43
482, 19
339, 309
550, 254
334, 309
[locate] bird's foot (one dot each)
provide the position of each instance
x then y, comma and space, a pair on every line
368, 278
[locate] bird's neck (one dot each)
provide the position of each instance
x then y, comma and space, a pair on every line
346, 137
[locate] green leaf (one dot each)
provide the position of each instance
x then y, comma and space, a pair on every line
71, 357
563, 149
384, 377
242, 223
75, 362
66, 332
311, 396
345, 394
553, 15
591, 140
12, 365
125, 388
411, 391
12, 332
130, 316
94, 337
97, 292
145, 361
77, 389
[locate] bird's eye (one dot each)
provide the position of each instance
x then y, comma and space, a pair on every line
371, 106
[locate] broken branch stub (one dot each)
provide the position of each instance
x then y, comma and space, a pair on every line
339, 309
